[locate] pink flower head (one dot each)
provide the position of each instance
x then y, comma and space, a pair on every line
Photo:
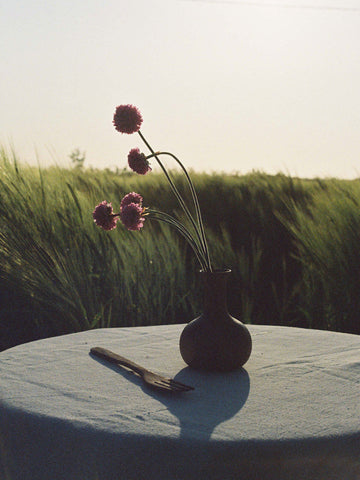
131, 216
104, 216
127, 119
138, 162
132, 197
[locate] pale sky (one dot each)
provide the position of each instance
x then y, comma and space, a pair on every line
228, 86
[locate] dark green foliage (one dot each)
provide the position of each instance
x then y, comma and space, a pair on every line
292, 245
328, 238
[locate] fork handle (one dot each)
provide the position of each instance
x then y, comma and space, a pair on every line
115, 358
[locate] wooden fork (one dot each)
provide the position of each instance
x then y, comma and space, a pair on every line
152, 379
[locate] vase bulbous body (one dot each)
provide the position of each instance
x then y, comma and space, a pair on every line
215, 341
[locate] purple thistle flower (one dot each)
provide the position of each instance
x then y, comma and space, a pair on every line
127, 119
137, 162
132, 197
131, 216
104, 216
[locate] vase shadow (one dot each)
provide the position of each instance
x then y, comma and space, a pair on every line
217, 398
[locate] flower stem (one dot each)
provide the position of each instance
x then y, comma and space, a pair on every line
196, 203
168, 219
200, 235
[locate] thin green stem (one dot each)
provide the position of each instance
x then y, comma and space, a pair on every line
173, 187
195, 200
168, 219
202, 246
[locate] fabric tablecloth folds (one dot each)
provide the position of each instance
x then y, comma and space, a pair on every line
292, 412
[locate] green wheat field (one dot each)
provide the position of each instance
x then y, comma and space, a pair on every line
292, 245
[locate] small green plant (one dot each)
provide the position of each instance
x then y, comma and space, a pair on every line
77, 158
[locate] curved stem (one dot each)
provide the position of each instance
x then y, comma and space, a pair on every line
195, 200
173, 187
168, 219
199, 235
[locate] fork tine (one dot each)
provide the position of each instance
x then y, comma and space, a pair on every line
175, 387
181, 385
163, 385
172, 385
179, 388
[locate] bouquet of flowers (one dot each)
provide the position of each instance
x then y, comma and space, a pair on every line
128, 119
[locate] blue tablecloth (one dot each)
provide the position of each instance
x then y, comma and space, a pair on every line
292, 413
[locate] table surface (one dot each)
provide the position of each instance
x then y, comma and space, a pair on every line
292, 412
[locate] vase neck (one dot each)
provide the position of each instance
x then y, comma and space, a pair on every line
215, 292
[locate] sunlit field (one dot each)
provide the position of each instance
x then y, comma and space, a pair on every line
292, 245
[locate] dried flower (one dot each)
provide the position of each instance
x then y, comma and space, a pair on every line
127, 119
104, 216
131, 197
131, 216
138, 162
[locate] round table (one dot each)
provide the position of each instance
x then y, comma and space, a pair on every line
291, 413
